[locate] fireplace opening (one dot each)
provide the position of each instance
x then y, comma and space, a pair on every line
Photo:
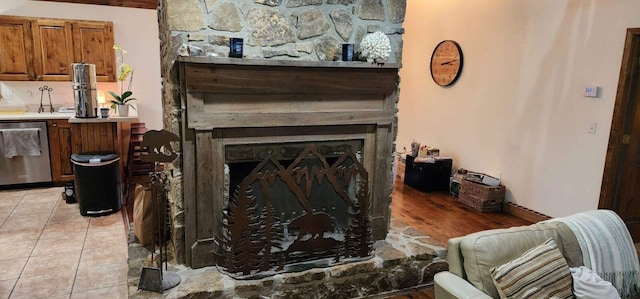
294, 206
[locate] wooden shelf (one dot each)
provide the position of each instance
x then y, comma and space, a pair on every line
290, 63
147, 4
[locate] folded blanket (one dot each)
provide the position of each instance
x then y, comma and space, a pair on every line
607, 249
21, 142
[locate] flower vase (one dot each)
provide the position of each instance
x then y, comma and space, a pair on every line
123, 110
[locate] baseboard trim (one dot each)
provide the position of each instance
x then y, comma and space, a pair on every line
524, 213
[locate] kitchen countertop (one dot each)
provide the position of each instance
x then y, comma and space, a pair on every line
111, 119
57, 115
35, 116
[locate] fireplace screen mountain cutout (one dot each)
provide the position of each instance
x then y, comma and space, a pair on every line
292, 215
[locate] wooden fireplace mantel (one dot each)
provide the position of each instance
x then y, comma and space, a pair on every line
292, 63
232, 93
229, 101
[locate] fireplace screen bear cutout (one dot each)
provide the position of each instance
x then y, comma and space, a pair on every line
320, 220
156, 146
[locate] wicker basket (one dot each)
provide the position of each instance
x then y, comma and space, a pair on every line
481, 197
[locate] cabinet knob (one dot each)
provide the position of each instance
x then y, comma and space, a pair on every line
55, 124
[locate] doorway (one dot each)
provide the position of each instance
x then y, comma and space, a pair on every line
620, 189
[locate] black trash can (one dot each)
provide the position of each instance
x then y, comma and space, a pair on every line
97, 178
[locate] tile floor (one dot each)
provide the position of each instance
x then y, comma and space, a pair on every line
48, 250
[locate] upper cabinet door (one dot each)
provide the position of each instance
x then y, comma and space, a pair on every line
16, 49
53, 49
93, 43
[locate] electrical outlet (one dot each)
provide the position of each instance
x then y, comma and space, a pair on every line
5, 92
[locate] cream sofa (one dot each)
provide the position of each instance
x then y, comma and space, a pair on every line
470, 257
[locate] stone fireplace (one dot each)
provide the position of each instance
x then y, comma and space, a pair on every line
288, 90
285, 139
285, 114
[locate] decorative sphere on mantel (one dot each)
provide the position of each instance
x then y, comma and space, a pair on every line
376, 47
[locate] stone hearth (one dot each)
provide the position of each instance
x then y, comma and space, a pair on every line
406, 259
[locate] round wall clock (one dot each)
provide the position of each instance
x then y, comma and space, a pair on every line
446, 63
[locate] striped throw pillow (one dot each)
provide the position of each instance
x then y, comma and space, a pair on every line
540, 272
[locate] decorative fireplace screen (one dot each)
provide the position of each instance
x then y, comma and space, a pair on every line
290, 214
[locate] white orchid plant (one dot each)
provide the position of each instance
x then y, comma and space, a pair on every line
125, 71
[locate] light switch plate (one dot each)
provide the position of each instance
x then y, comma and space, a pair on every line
591, 129
591, 91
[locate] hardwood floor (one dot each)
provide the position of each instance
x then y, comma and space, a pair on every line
442, 217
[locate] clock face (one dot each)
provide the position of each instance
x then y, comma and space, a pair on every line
446, 63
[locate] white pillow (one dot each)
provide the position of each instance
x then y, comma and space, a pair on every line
588, 285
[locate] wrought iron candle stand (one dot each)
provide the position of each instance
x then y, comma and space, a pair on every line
156, 148
42, 90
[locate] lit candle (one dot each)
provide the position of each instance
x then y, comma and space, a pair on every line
101, 98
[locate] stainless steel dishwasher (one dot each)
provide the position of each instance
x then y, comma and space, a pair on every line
22, 169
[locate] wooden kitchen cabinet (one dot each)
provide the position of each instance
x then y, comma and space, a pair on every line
67, 138
61, 145
93, 43
96, 137
16, 49
53, 49
47, 47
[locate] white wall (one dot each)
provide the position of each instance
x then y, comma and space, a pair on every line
136, 30
518, 108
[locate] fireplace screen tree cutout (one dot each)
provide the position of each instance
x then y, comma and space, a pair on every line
288, 216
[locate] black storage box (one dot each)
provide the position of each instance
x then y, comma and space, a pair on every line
428, 177
97, 178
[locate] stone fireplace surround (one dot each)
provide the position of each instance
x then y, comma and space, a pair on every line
300, 33
231, 102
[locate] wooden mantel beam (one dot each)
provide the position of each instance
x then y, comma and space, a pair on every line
147, 4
